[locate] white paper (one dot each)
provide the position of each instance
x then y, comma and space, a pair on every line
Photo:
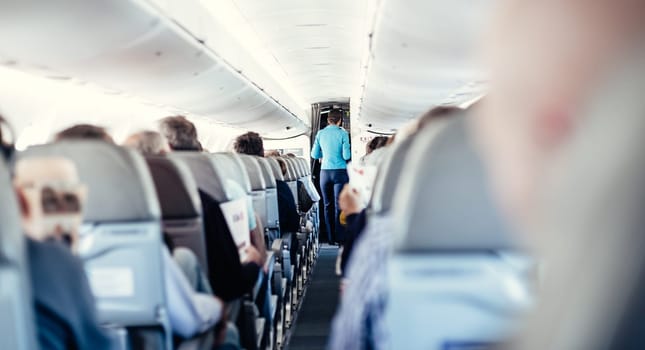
111, 282
236, 215
361, 178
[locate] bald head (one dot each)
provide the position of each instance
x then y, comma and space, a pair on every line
546, 59
51, 198
37, 170
149, 143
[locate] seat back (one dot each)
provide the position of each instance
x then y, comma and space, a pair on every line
121, 241
181, 208
305, 165
273, 216
292, 178
453, 258
258, 186
231, 167
387, 178
275, 168
16, 322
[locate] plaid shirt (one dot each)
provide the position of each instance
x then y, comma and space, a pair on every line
359, 322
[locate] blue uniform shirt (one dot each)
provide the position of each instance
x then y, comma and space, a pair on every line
332, 145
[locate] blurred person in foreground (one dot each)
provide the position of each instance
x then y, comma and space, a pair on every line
547, 58
65, 310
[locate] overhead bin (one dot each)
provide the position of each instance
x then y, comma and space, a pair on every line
134, 48
421, 53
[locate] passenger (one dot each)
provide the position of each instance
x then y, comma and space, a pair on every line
375, 143
149, 143
359, 321
64, 304
229, 277
84, 132
272, 153
533, 111
152, 143
251, 143
190, 313
332, 147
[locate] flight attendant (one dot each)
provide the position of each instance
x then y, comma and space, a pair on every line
332, 146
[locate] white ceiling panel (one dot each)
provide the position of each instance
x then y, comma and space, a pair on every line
317, 44
422, 52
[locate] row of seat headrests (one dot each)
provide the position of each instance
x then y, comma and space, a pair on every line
124, 186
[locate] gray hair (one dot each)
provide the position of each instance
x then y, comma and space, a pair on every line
149, 143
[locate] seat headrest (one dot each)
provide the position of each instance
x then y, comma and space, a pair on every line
443, 202
305, 165
176, 188
275, 167
267, 172
11, 235
387, 177
256, 176
203, 170
292, 174
231, 167
120, 187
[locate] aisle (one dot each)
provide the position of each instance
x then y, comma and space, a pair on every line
312, 326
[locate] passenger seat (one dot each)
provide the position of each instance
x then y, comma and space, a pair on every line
121, 241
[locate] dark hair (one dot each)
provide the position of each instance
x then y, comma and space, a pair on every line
437, 113
180, 133
84, 132
249, 143
334, 116
376, 143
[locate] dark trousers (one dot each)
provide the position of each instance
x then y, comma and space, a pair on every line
331, 183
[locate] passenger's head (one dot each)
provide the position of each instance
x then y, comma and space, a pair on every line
84, 132
149, 143
376, 143
51, 198
335, 117
249, 143
181, 133
272, 153
545, 59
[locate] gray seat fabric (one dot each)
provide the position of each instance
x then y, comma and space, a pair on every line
121, 241
273, 216
275, 167
443, 200
452, 254
204, 172
388, 175
292, 178
231, 167
181, 207
258, 186
16, 322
